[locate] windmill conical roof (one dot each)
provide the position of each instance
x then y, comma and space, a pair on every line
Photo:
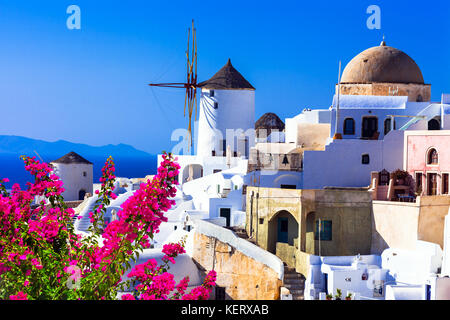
71, 157
227, 78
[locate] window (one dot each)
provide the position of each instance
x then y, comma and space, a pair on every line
246, 146
288, 186
445, 183
369, 127
216, 170
419, 182
224, 147
216, 105
349, 126
84, 174
383, 177
325, 230
211, 93
365, 159
387, 125
432, 156
432, 184
261, 220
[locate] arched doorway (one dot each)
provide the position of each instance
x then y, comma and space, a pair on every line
192, 172
81, 194
283, 227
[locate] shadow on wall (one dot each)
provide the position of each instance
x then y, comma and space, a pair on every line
377, 244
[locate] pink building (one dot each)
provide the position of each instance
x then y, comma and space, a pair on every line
427, 159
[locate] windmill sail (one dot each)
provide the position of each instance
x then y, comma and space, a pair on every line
190, 99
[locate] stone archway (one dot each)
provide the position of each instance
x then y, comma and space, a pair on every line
283, 227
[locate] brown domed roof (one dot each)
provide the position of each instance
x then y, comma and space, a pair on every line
382, 64
269, 120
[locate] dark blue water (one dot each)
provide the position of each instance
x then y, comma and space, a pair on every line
13, 168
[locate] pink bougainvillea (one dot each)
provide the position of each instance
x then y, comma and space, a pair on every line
41, 257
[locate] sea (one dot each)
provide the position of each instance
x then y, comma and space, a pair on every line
13, 168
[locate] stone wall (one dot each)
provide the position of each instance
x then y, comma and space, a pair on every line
401, 224
349, 211
394, 224
246, 271
413, 91
433, 210
286, 253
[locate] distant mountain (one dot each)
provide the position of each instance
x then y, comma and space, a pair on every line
130, 162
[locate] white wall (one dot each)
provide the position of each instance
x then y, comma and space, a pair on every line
232, 201
344, 274
412, 266
236, 110
209, 164
340, 165
73, 178
274, 178
316, 116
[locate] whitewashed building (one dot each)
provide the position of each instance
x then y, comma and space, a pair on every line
212, 179
77, 175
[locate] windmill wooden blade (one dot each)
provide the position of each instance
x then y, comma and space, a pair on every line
190, 99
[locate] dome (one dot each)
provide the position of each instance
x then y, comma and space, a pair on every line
382, 64
269, 120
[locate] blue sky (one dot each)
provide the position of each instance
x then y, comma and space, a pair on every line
90, 85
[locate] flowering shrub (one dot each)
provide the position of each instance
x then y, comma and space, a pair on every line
41, 256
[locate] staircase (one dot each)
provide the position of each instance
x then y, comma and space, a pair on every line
84, 223
294, 282
241, 233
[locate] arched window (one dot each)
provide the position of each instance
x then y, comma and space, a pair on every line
432, 157
387, 125
383, 177
349, 126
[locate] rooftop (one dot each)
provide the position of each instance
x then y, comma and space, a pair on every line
71, 157
227, 78
382, 64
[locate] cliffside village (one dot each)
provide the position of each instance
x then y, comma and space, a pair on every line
345, 202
